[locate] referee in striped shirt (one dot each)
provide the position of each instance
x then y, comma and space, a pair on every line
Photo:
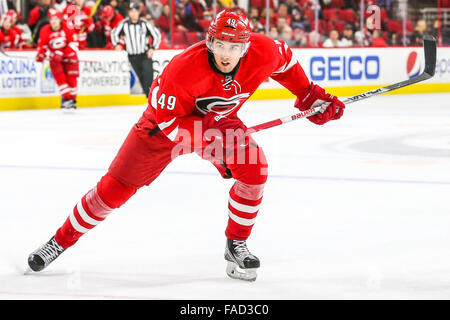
133, 34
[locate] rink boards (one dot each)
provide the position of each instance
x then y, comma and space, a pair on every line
106, 79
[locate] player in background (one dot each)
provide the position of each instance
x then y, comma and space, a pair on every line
77, 17
193, 107
9, 38
58, 42
22, 43
109, 19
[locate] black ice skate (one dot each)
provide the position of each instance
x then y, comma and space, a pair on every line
73, 104
68, 106
42, 257
242, 264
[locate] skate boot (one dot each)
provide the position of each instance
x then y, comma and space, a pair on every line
73, 104
68, 105
242, 264
45, 255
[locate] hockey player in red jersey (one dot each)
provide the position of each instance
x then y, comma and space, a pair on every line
193, 107
57, 40
77, 17
109, 19
9, 37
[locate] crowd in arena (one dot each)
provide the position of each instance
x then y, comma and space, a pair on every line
335, 23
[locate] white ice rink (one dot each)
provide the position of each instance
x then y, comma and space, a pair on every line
356, 209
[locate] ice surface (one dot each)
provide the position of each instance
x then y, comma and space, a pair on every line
355, 209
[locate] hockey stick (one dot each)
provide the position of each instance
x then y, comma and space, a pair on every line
93, 11
429, 45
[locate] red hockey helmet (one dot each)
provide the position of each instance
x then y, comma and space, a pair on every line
52, 12
12, 13
107, 12
231, 27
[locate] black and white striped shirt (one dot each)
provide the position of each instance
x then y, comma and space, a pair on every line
136, 36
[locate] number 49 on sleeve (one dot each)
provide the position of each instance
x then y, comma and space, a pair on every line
171, 101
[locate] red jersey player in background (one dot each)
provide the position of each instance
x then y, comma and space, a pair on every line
9, 38
57, 40
77, 17
109, 19
13, 15
193, 107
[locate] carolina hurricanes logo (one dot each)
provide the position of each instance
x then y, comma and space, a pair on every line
413, 65
58, 42
220, 105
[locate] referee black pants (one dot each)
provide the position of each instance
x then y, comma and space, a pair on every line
143, 67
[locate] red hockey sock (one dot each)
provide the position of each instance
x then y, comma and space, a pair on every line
93, 208
243, 206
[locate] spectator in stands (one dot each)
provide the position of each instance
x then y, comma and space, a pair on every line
282, 12
347, 39
332, 40
287, 35
377, 39
360, 40
38, 18
154, 8
163, 22
300, 38
255, 24
419, 31
253, 12
263, 16
187, 18
121, 6
299, 21
197, 9
281, 23
273, 32
315, 39
292, 5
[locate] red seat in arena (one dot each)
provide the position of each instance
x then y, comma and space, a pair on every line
330, 14
393, 26
204, 24
179, 39
337, 4
309, 14
339, 26
192, 37
409, 27
383, 16
348, 15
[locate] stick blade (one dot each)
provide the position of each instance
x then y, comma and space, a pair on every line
429, 45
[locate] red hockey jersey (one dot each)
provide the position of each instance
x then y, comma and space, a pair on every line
9, 39
104, 26
60, 42
78, 20
188, 88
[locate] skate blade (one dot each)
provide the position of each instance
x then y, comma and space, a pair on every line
233, 271
68, 110
28, 271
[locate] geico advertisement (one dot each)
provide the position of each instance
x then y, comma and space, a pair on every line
367, 66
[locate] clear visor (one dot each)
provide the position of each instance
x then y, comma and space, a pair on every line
227, 49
